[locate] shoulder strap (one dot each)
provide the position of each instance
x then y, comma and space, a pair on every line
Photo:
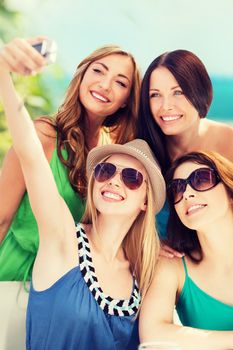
185, 266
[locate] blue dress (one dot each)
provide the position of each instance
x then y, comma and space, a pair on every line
74, 313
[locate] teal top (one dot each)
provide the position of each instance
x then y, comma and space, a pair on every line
162, 221
19, 248
200, 310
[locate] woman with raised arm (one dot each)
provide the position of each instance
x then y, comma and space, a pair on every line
200, 195
100, 107
88, 280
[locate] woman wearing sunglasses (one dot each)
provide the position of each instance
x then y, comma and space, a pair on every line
88, 280
176, 95
200, 195
102, 99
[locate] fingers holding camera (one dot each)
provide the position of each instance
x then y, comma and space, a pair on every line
20, 57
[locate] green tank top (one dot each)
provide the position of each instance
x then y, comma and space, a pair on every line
19, 248
200, 310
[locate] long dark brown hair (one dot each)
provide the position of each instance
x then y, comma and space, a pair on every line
69, 120
192, 77
179, 236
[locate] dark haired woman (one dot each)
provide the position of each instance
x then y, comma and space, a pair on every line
175, 97
200, 194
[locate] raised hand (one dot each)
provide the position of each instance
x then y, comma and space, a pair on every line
20, 57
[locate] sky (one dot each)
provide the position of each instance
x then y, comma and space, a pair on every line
146, 28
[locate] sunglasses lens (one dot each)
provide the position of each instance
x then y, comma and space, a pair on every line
132, 178
104, 171
200, 180
203, 179
176, 190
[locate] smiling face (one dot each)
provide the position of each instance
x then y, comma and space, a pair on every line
113, 197
170, 108
106, 85
198, 209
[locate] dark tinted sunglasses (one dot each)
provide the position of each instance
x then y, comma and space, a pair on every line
202, 179
132, 178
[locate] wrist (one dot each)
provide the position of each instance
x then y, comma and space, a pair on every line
4, 68
4, 73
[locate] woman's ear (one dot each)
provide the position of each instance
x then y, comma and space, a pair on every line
124, 105
144, 205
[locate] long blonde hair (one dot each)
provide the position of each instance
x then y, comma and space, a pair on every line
69, 120
141, 244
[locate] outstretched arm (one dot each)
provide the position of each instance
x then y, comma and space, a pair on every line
156, 317
12, 188
12, 185
49, 209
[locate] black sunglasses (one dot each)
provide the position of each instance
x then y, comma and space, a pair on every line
132, 178
202, 179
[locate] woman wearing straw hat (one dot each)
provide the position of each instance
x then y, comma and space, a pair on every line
100, 104
88, 280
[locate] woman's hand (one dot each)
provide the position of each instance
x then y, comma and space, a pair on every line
169, 252
20, 57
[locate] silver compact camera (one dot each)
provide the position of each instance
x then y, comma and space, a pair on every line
48, 49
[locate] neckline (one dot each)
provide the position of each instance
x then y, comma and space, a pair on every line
188, 279
117, 307
105, 136
207, 294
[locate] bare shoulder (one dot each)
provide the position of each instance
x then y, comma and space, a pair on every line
45, 127
219, 127
168, 268
47, 134
221, 137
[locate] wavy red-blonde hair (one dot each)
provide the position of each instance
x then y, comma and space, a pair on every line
69, 120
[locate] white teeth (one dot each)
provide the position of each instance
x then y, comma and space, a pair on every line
194, 207
99, 97
170, 118
112, 195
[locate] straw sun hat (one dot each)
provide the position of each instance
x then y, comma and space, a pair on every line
140, 150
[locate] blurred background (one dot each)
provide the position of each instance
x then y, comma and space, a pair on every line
146, 28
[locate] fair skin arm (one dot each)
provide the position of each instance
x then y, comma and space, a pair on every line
12, 188
54, 220
156, 317
12, 184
